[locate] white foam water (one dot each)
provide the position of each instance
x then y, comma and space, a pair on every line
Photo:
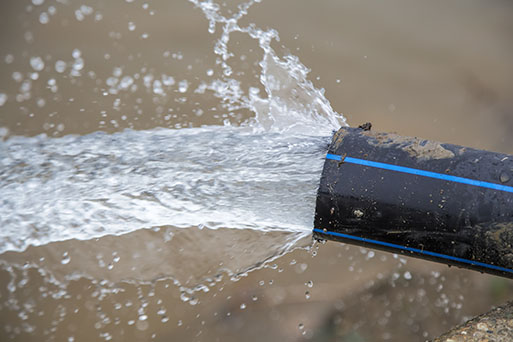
83, 187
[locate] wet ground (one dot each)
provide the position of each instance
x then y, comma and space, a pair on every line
434, 69
496, 325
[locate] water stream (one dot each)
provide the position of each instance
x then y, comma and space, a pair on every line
84, 187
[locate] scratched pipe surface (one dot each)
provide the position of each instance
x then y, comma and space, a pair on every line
440, 202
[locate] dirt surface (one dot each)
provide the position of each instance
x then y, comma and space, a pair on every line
495, 325
420, 149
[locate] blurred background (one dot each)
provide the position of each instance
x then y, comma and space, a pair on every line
435, 69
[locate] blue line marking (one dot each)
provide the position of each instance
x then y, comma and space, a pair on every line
415, 250
418, 172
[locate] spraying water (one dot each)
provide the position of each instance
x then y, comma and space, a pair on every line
262, 175
84, 187
115, 206
140, 206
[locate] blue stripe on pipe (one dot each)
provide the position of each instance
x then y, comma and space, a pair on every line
415, 250
418, 172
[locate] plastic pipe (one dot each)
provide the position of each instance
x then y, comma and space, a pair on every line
439, 202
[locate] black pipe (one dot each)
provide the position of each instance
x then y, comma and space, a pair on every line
440, 202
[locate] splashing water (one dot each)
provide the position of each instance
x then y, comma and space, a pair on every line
126, 210
81, 207
291, 104
263, 175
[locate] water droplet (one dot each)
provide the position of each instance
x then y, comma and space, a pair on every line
44, 18
180, 323
79, 15
182, 86
37, 63
504, 177
301, 268
168, 80
307, 294
3, 99
212, 27
142, 325
309, 283
301, 326
117, 72
17, 76
157, 87
65, 258
164, 319
60, 66
87, 10
242, 306
131, 26
11, 286
79, 64
76, 53
210, 72
126, 82
38, 2
370, 255
407, 275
